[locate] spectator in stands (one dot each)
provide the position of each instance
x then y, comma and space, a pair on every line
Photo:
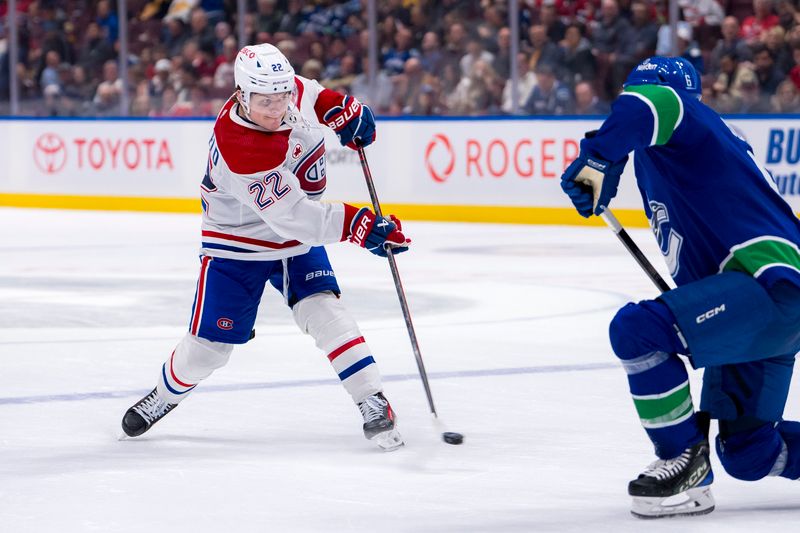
475, 52
108, 93
609, 36
527, 81
107, 20
542, 51
268, 16
223, 75
222, 30
160, 79
95, 50
359, 88
345, 74
175, 35
549, 96
774, 40
292, 18
579, 62
49, 75
199, 29
689, 49
762, 20
502, 53
788, 15
728, 84
730, 42
455, 44
587, 102
473, 94
752, 99
786, 99
642, 38
431, 56
766, 71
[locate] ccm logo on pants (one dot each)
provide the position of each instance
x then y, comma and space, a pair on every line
711, 313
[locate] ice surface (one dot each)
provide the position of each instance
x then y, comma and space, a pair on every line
512, 325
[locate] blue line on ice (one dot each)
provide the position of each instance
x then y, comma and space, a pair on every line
81, 396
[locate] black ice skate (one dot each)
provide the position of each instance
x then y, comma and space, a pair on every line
379, 422
145, 413
675, 487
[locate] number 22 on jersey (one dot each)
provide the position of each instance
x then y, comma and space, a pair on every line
268, 190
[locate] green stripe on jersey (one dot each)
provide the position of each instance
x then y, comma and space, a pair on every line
666, 105
757, 255
662, 410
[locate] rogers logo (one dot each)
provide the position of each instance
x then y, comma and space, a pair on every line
509, 157
50, 153
446, 162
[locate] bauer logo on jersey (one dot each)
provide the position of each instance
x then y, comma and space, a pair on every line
225, 323
311, 170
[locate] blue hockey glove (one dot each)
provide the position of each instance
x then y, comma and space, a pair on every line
591, 183
373, 233
353, 123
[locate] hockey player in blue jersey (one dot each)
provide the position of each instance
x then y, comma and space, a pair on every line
731, 244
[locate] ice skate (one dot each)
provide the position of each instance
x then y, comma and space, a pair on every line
379, 422
675, 487
144, 413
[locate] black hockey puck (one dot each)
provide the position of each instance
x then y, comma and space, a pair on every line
451, 437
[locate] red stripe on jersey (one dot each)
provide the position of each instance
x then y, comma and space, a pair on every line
245, 150
349, 214
344, 347
300, 89
201, 290
172, 373
248, 240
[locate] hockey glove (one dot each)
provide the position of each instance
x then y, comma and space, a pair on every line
591, 183
374, 233
353, 123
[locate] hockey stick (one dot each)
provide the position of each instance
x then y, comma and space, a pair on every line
449, 437
634, 250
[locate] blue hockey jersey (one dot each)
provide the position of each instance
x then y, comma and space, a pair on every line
711, 205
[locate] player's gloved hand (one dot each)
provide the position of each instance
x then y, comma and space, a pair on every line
353, 123
591, 183
374, 233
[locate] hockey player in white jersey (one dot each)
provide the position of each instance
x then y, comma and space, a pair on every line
262, 223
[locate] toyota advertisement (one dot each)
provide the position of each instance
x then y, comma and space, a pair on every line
495, 162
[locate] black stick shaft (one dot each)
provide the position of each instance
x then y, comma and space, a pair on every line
634, 250
398, 285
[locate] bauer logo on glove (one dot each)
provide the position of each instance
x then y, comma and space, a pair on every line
353, 123
377, 234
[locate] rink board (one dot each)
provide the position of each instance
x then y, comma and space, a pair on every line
478, 169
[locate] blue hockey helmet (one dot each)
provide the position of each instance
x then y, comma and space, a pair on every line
675, 72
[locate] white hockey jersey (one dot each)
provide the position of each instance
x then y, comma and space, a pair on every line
260, 190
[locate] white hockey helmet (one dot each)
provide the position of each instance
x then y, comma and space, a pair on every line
262, 69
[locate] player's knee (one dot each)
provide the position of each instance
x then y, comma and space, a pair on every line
753, 454
325, 318
200, 355
642, 328
624, 332
790, 455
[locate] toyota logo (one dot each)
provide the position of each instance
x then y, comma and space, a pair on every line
50, 153
440, 164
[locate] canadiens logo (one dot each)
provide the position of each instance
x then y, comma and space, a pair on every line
297, 150
225, 323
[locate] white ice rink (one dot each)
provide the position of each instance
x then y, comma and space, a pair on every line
512, 325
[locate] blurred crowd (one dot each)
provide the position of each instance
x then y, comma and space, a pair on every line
435, 57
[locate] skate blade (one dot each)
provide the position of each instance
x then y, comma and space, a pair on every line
696, 501
388, 441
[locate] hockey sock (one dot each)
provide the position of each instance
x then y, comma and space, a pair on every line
193, 360
644, 339
335, 332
